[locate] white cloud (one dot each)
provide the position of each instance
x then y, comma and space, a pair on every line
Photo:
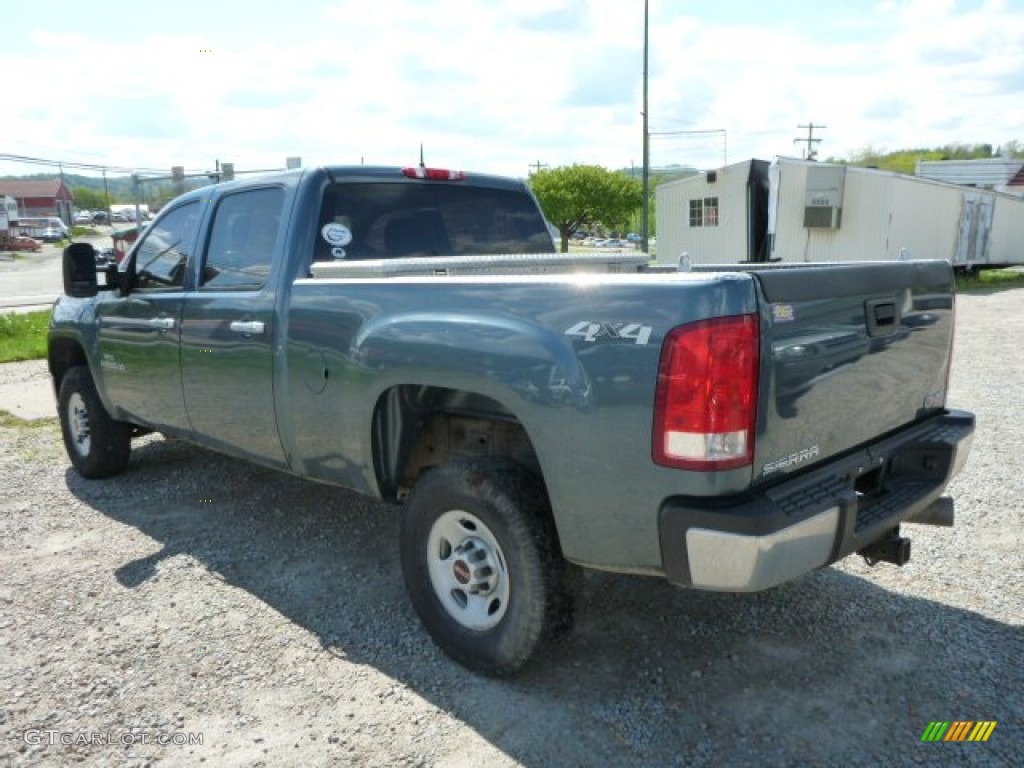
498, 86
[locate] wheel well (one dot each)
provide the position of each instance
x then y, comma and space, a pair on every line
416, 428
62, 356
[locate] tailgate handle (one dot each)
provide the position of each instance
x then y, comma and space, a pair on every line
883, 317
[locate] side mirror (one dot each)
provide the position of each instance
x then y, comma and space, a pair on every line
79, 263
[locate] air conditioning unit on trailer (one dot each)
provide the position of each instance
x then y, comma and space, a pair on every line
823, 198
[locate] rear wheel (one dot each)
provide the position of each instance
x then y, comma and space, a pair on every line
482, 563
97, 445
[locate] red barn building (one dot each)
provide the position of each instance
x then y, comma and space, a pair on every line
39, 197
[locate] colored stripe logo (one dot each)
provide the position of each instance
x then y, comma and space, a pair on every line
959, 730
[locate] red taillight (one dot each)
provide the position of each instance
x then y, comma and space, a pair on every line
434, 174
706, 398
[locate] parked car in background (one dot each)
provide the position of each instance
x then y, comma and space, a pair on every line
51, 235
100, 217
83, 217
47, 228
22, 243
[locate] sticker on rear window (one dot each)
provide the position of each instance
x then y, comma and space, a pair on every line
336, 234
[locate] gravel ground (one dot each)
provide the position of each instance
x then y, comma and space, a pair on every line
198, 610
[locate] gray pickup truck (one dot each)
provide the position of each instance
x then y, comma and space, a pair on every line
410, 334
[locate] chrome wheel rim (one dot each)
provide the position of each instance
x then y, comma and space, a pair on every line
78, 424
468, 570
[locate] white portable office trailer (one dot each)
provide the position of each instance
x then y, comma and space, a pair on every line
796, 210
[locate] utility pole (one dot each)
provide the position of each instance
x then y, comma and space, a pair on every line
61, 203
106, 194
811, 153
537, 166
645, 224
135, 196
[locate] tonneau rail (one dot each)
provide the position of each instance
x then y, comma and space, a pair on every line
483, 264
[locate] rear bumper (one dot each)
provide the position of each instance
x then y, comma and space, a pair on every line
772, 535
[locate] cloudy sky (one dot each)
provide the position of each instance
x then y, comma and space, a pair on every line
499, 85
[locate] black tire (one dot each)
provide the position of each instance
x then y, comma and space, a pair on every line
97, 445
532, 586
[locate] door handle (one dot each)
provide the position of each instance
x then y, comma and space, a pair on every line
162, 323
248, 327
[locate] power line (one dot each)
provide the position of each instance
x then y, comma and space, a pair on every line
80, 166
811, 152
703, 132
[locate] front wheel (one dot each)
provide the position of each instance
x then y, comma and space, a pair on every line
97, 445
482, 563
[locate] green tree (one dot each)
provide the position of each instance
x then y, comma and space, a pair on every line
1012, 149
574, 196
88, 199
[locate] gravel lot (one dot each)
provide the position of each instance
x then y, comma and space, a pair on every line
249, 618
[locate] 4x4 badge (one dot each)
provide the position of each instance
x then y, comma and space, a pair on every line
635, 332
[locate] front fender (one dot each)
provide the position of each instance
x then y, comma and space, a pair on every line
72, 341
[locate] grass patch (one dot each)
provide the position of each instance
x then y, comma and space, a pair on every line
988, 280
23, 335
11, 421
31, 441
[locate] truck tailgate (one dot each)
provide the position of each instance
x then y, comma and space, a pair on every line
851, 352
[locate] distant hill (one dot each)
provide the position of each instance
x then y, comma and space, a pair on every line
154, 193
662, 174
905, 160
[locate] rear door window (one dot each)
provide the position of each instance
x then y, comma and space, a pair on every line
242, 240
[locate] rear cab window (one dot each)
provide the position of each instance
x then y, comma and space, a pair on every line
393, 219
